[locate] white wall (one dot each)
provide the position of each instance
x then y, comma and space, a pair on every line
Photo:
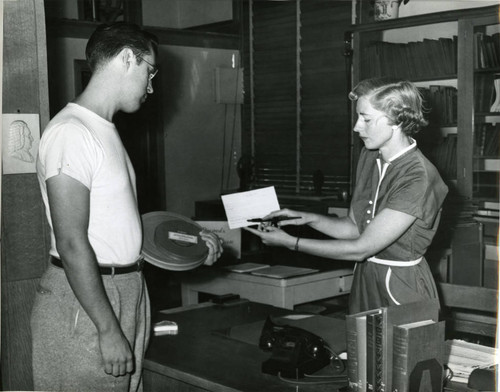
61, 9
202, 137
62, 56
417, 7
185, 13
162, 13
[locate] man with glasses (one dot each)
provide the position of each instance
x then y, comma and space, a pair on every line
154, 69
91, 318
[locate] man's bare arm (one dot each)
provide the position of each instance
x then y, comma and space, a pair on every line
69, 202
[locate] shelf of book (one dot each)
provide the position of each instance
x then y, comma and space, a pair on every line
429, 59
487, 53
485, 66
480, 167
459, 78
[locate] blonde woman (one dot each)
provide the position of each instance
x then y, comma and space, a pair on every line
395, 207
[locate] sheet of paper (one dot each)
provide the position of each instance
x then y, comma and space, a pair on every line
242, 206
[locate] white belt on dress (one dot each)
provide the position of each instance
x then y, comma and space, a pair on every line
394, 263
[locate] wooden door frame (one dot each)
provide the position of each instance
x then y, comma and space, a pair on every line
1, 170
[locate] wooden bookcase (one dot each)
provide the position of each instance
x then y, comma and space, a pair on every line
478, 146
454, 57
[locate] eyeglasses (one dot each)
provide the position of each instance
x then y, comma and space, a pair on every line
155, 69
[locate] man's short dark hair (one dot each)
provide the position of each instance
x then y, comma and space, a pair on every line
109, 39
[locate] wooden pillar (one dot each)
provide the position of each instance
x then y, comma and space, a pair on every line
24, 232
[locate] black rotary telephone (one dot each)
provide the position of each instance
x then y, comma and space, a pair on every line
295, 351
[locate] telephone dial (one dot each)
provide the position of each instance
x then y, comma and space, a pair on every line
295, 351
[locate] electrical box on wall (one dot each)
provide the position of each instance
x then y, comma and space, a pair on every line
228, 85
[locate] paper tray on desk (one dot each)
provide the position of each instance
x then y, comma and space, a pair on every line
246, 267
283, 271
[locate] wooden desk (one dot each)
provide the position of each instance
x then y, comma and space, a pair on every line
198, 360
284, 293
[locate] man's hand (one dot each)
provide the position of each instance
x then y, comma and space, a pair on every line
214, 244
117, 356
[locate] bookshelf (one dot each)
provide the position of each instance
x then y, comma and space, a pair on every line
480, 125
478, 142
454, 58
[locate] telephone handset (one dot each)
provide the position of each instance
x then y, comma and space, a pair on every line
295, 351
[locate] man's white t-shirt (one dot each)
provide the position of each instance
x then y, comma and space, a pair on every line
86, 147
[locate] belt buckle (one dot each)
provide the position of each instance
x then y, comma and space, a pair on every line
140, 265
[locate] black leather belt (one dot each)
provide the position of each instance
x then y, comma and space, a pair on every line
137, 267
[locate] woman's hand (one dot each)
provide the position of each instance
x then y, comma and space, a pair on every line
214, 244
299, 217
273, 236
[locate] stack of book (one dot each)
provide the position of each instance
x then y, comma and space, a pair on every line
487, 141
464, 357
396, 348
442, 103
484, 92
444, 156
487, 50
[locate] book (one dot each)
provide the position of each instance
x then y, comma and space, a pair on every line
352, 352
448, 55
418, 350
479, 60
356, 334
372, 325
495, 38
361, 346
396, 315
484, 94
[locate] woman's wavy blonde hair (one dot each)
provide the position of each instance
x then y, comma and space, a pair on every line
400, 100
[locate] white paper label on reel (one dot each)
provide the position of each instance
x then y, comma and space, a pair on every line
192, 239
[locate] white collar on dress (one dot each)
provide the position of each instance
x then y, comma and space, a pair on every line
403, 151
